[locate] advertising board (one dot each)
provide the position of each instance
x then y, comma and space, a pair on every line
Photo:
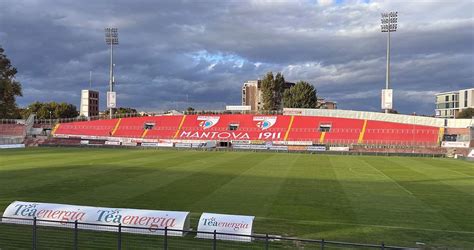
278, 148
296, 148
5, 146
112, 143
241, 146
387, 98
151, 220
157, 144
183, 145
111, 99
341, 149
455, 144
225, 223
316, 148
471, 154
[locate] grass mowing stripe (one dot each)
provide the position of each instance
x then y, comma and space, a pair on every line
310, 193
129, 179
444, 199
415, 212
76, 176
392, 180
451, 165
377, 199
252, 191
349, 198
176, 195
455, 179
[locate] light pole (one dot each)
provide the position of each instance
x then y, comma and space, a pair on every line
111, 38
389, 24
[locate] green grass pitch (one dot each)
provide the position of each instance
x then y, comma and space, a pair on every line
364, 199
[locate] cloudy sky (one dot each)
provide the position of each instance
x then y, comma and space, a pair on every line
174, 54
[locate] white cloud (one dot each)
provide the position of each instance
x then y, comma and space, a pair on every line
207, 49
325, 2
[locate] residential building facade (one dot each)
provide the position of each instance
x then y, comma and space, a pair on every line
325, 104
252, 94
449, 104
89, 103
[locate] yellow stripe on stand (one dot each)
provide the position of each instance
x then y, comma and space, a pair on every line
440, 134
144, 133
321, 138
362, 133
55, 128
180, 125
116, 126
289, 127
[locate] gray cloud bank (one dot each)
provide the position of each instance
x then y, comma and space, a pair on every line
174, 54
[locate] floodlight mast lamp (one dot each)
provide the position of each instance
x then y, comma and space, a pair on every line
389, 24
111, 38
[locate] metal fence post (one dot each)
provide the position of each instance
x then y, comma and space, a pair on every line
34, 233
214, 243
383, 246
266, 241
75, 235
119, 240
165, 242
322, 244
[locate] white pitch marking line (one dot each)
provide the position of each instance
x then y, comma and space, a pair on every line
406, 190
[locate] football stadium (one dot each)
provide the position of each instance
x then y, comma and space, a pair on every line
341, 179
324, 161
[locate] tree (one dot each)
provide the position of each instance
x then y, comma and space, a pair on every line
190, 109
272, 91
122, 110
51, 110
279, 88
9, 88
267, 91
65, 110
392, 111
467, 113
302, 95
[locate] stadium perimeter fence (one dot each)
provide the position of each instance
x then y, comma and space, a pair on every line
27, 234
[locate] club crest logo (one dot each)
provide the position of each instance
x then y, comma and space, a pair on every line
208, 121
265, 122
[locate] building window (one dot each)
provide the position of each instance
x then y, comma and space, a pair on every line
325, 127
446, 98
450, 137
465, 99
233, 126
149, 125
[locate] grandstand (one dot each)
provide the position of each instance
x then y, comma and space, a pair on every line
294, 128
12, 132
364, 131
279, 128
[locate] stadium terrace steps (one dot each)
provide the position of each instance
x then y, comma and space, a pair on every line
378, 132
237, 127
12, 130
87, 128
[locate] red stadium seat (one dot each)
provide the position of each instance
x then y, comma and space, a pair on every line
314, 129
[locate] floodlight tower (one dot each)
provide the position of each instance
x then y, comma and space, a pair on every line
111, 38
389, 24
